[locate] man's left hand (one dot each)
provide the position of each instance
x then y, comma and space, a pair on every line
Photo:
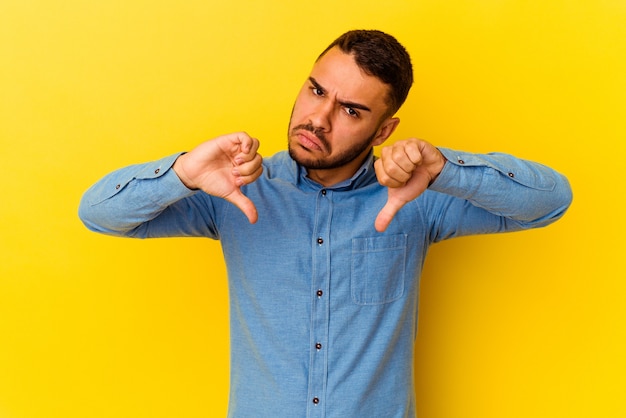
406, 168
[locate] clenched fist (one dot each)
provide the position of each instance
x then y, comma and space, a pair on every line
221, 166
406, 168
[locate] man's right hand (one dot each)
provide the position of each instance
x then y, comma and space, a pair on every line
221, 166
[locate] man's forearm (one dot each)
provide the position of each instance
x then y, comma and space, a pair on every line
125, 199
527, 192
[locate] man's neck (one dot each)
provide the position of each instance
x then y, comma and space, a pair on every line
332, 176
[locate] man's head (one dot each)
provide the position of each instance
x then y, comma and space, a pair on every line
382, 56
346, 106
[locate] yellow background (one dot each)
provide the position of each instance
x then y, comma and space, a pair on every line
520, 325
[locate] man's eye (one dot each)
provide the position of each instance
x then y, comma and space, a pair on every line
351, 112
317, 91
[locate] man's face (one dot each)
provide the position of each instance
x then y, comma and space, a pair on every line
337, 117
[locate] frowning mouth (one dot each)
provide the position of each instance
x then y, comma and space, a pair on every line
308, 138
309, 141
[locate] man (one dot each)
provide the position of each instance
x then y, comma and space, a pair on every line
324, 272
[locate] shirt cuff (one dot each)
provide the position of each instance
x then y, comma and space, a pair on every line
464, 173
170, 187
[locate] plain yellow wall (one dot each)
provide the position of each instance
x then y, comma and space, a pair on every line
519, 325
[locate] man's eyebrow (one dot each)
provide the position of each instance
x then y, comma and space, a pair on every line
317, 85
342, 103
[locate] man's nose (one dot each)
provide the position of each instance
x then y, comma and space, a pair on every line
321, 117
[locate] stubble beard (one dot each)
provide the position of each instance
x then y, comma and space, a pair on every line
321, 163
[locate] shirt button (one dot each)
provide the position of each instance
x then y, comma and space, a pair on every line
324, 192
319, 293
118, 186
157, 171
511, 175
318, 346
316, 400
320, 241
461, 161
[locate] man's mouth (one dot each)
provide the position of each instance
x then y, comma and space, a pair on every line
309, 140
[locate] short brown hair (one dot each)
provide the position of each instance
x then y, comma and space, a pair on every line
382, 56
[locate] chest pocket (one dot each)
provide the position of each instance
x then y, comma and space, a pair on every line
378, 269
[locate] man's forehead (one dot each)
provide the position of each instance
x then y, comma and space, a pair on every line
339, 74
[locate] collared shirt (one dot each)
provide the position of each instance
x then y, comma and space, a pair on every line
323, 308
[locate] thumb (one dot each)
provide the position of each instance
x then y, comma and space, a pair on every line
244, 204
387, 213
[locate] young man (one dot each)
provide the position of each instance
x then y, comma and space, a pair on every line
324, 272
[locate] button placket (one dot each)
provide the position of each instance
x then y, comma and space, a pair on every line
320, 304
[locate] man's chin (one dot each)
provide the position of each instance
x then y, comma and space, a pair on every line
298, 155
304, 158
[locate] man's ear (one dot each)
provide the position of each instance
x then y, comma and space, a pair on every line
385, 130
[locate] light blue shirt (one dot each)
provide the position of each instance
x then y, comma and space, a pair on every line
323, 308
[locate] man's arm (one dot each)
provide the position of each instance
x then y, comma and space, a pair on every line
523, 192
123, 202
